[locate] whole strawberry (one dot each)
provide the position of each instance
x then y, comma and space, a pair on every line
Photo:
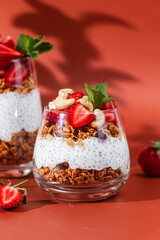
149, 159
12, 196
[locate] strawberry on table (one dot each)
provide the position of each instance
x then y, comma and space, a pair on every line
12, 196
79, 116
149, 159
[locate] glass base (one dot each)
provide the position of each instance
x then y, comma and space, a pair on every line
89, 193
15, 171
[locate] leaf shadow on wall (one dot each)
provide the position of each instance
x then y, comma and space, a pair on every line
76, 48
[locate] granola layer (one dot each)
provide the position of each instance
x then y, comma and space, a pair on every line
63, 174
81, 133
19, 149
27, 86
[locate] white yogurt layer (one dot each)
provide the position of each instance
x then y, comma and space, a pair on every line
19, 111
95, 154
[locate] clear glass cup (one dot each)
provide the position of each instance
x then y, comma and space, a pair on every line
20, 116
81, 164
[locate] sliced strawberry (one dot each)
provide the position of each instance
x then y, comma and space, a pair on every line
16, 73
108, 105
2, 73
79, 116
76, 96
9, 53
53, 116
11, 197
109, 116
4, 63
8, 41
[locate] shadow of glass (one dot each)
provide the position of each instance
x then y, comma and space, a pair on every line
139, 187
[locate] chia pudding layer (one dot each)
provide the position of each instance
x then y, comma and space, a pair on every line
20, 117
94, 154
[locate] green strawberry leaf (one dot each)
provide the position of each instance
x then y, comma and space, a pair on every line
5, 183
32, 46
156, 145
24, 191
158, 152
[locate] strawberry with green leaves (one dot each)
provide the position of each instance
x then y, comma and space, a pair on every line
12, 196
149, 159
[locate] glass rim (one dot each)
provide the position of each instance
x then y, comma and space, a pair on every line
10, 60
46, 108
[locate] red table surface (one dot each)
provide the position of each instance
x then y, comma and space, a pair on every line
131, 214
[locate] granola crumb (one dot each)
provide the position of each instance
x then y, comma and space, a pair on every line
74, 135
63, 174
27, 86
19, 149
70, 142
80, 142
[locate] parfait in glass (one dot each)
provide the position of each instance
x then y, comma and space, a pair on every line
81, 151
20, 105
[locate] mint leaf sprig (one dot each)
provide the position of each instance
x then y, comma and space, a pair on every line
98, 94
32, 46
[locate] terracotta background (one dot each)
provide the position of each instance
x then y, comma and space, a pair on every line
115, 41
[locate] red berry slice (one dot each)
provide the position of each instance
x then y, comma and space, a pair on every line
9, 53
8, 41
10, 197
56, 116
76, 96
16, 73
108, 105
4, 64
109, 116
53, 116
2, 73
79, 116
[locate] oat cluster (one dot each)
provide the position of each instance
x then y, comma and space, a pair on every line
27, 86
63, 174
19, 149
77, 135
